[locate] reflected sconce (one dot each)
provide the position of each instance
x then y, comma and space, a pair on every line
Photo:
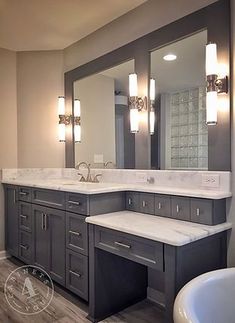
65, 120
215, 85
136, 104
152, 110
77, 120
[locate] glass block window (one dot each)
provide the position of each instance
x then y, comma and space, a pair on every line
188, 129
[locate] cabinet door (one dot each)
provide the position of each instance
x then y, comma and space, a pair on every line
55, 225
41, 237
11, 220
181, 208
133, 201
76, 233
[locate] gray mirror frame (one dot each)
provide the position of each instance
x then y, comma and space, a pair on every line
216, 19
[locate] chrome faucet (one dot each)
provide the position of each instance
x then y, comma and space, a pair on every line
88, 178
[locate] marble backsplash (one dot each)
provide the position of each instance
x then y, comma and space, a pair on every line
196, 180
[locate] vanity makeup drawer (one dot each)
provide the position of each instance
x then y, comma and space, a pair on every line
76, 233
77, 273
209, 212
133, 201
25, 216
77, 203
26, 247
163, 205
135, 248
25, 194
55, 199
180, 208
147, 203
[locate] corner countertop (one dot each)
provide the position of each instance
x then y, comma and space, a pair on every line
67, 185
165, 230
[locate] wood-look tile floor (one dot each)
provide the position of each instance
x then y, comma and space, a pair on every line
62, 310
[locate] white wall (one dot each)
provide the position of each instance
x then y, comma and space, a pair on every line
39, 83
8, 121
96, 94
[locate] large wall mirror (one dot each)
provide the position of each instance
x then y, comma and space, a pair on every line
106, 140
180, 140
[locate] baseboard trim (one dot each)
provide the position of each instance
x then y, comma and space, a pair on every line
4, 255
156, 296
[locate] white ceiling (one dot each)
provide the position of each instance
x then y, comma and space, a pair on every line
55, 24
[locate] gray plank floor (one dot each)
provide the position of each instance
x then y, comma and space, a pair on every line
61, 310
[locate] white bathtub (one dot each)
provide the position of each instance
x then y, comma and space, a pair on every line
209, 298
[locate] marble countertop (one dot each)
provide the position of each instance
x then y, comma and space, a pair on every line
169, 231
75, 186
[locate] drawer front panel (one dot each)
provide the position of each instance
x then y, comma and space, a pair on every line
133, 201
181, 208
25, 216
26, 247
76, 233
54, 199
147, 203
77, 203
163, 205
77, 273
138, 249
25, 194
201, 211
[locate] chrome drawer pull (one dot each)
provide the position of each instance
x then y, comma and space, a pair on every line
24, 247
23, 193
177, 209
75, 274
74, 203
129, 201
198, 212
75, 233
144, 204
14, 196
23, 216
122, 245
159, 206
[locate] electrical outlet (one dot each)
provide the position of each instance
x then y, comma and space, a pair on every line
211, 180
141, 177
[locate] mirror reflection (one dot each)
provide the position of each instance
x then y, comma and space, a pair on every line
180, 140
106, 140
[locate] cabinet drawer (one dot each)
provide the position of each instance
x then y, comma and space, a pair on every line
25, 194
55, 199
147, 203
163, 205
180, 208
25, 216
133, 201
76, 233
26, 247
138, 249
209, 212
77, 273
77, 203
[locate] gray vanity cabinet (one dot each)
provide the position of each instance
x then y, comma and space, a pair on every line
132, 201
147, 203
163, 205
49, 241
180, 208
11, 225
76, 233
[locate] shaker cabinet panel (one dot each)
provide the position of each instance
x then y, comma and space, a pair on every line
201, 211
163, 205
133, 201
11, 220
180, 208
25, 216
50, 198
26, 247
76, 233
147, 203
77, 203
24, 194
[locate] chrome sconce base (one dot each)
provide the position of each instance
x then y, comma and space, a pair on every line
139, 103
219, 85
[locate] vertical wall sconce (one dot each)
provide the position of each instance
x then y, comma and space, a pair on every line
152, 110
136, 103
77, 120
215, 85
65, 120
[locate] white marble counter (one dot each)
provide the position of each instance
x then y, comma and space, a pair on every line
69, 185
169, 231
